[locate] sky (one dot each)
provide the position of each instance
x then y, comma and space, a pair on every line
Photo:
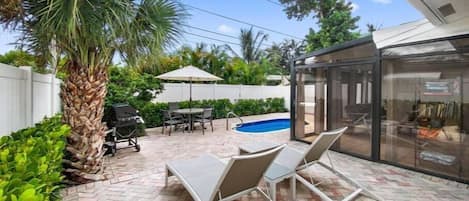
265, 13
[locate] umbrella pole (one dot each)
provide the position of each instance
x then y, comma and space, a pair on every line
190, 93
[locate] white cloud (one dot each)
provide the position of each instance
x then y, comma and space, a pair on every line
225, 28
355, 7
382, 1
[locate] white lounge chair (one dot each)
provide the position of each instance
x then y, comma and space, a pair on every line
207, 178
299, 160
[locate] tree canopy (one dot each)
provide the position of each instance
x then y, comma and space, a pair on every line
281, 54
89, 38
18, 58
334, 18
216, 60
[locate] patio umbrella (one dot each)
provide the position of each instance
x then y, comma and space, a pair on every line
189, 73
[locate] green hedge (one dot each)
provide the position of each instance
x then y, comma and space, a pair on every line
220, 106
151, 112
31, 162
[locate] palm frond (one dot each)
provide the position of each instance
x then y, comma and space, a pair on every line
251, 44
91, 32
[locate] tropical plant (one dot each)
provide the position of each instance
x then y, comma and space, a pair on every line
18, 58
275, 54
22, 58
31, 162
334, 18
251, 45
88, 34
239, 72
216, 60
281, 54
126, 85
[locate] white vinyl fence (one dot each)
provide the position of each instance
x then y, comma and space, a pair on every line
26, 97
174, 92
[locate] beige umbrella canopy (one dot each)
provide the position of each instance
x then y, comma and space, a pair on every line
189, 73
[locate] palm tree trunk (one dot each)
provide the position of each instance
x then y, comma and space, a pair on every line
83, 94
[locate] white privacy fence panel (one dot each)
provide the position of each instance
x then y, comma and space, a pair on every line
12, 99
46, 100
174, 92
26, 97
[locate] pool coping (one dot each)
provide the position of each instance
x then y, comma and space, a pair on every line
234, 125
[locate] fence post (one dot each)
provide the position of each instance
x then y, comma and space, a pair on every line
52, 94
28, 94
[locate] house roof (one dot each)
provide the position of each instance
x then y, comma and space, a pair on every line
442, 11
421, 30
438, 24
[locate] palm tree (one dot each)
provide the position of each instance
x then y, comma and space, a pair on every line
372, 27
251, 45
88, 34
217, 59
281, 54
274, 53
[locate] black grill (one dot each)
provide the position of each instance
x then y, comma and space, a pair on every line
122, 115
122, 120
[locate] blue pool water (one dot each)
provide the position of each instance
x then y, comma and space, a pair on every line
264, 126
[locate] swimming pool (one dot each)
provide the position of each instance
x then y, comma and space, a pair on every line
264, 126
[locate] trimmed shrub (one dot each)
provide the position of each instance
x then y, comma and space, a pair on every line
275, 105
152, 114
31, 162
220, 107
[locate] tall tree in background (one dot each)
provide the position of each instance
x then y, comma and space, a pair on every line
88, 34
217, 59
334, 18
251, 45
18, 58
281, 54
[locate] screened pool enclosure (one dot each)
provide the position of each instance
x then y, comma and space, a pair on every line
406, 104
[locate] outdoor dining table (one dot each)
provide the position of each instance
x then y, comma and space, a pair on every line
189, 112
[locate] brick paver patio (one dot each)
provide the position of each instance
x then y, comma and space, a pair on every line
140, 176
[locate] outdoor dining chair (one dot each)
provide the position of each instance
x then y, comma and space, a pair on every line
169, 120
205, 117
208, 178
172, 106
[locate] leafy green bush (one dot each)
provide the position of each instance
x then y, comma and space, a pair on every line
31, 161
220, 107
152, 114
153, 117
275, 105
126, 85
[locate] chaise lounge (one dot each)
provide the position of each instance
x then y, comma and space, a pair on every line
300, 160
207, 178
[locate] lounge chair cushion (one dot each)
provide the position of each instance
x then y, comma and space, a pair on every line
199, 174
